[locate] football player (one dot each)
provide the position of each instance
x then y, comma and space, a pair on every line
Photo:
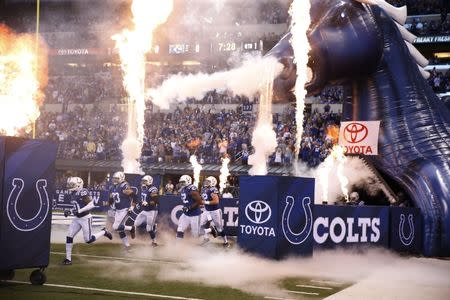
120, 195
82, 206
210, 195
191, 208
149, 205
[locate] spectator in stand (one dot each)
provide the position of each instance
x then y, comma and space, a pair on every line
227, 193
169, 188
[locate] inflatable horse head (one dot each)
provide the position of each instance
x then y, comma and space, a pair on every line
363, 43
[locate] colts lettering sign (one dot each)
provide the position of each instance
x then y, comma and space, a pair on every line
360, 137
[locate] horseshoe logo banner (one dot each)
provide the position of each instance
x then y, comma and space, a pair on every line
405, 229
299, 237
406, 239
16, 217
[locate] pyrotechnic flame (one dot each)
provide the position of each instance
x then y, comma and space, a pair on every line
335, 157
133, 46
324, 173
224, 173
264, 138
300, 23
197, 169
333, 133
338, 154
23, 75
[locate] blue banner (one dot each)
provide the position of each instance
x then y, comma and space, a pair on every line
276, 215
28, 183
406, 229
295, 218
258, 220
350, 225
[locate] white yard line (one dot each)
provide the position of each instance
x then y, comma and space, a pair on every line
303, 293
109, 291
155, 261
314, 287
276, 298
327, 282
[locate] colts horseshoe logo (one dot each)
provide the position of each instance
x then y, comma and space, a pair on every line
406, 240
14, 217
292, 237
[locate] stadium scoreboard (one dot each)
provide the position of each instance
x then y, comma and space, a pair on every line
232, 46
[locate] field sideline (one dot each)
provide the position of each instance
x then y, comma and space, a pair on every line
103, 271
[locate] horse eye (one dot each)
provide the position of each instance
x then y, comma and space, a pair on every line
340, 18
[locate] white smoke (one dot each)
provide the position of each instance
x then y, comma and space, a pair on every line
264, 141
264, 138
259, 276
354, 170
244, 80
131, 151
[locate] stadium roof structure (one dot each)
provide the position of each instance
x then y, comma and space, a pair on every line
162, 167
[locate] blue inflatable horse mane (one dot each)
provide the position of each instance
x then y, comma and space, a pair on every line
362, 43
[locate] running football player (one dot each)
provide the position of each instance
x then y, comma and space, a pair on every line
82, 206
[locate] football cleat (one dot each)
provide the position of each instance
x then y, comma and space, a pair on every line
154, 244
226, 245
133, 232
66, 262
214, 231
107, 233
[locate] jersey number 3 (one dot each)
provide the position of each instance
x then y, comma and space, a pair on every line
115, 197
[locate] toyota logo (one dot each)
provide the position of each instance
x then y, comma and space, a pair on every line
355, 132
258, 211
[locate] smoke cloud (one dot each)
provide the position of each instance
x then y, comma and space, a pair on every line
243, 80
354, 169
372, 274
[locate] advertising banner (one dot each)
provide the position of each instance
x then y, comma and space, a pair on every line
28, 183
359, 137
275, 217
350, 225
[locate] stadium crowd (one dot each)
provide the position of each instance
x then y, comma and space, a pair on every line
440, 81
420, 26
173, 137
422, 7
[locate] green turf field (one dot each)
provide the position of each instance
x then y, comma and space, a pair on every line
87, 279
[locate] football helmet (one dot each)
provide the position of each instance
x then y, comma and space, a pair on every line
74, 184
210, 181
185, 180
118, 178
146, 181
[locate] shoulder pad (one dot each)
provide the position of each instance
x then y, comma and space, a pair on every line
124, 185
192, 188
153, 189
214, 190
